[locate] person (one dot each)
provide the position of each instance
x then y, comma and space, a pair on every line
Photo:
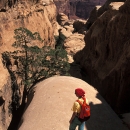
75, 121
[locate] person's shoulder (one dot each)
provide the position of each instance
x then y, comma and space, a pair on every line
76, 104
87, 101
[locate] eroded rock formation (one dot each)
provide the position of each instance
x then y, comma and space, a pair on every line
35, 15
77, 9
71, 35
99, 10
5, 98
106, 56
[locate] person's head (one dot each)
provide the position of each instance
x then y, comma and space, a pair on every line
79, 92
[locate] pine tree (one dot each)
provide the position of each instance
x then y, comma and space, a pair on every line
35, 63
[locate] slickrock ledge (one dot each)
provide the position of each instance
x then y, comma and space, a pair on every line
50, 108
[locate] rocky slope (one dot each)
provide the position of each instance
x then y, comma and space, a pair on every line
37, 16
105, 58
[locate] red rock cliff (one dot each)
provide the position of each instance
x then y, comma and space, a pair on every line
106, 55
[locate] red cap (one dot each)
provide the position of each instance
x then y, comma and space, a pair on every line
79, 92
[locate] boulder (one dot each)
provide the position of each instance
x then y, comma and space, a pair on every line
73, 44
63, 34
62, 18
50, 108
79, 25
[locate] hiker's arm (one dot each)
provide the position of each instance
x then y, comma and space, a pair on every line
73, 116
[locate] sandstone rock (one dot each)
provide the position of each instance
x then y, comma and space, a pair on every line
79, 23
56, 31
5, 98
73, 44
79, 26
36, 17
77, 9
63, 33
125, 8
99, 10
46, 2
107, 5
62, 6
93, 16
105, 57
115, 5
53, 100
62, 18
69, 22
69, 28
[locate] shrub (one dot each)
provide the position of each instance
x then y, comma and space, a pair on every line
35, 63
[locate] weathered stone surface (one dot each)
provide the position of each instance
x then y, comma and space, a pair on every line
99, 10
77, 9
125, 8
73, 44
64, 34
62, 18
79, 26
69, 28
37, 16
93, 16
62, 6
5, 98
53, 100
106, 56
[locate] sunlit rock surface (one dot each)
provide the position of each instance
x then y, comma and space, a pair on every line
51, 105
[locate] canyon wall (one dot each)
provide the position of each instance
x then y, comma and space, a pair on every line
105, 58
77, 9
37, 16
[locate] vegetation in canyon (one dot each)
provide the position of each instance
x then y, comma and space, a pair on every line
34, 63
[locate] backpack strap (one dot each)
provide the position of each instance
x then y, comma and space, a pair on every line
84, 102
79, 102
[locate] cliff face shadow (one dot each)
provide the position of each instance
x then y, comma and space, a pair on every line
103, 117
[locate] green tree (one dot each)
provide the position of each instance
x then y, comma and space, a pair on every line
35, 63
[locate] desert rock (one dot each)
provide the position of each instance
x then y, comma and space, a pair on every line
53, 100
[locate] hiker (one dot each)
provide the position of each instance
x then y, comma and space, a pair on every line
75, 119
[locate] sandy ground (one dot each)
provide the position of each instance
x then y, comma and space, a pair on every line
50, 108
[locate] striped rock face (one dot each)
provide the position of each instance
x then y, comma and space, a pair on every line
50, 108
